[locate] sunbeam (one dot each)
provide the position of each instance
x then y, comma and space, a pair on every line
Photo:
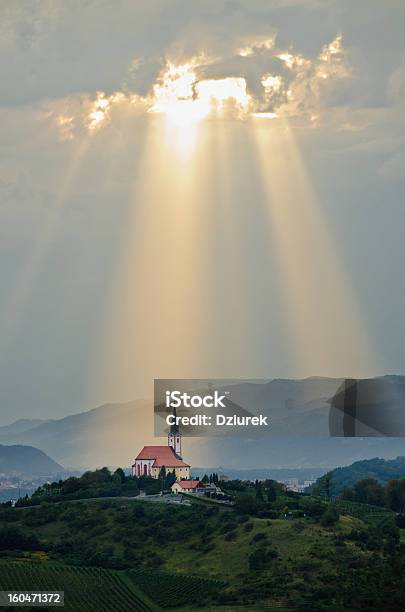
156, 314
188, 296
19, 296
327, 332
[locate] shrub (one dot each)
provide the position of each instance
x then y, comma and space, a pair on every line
330, 517
258, 537
259, 558
12, 538
246, 504
231, 535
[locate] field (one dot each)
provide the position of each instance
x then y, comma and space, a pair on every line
365, 512
170, 590
87, 589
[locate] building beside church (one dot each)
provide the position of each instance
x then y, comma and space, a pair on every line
194, 486
186, 486
151, 459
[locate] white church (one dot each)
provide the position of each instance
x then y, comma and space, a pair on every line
151, 459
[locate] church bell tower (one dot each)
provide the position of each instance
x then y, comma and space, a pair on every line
174, 437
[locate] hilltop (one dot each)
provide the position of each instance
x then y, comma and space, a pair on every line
18, 460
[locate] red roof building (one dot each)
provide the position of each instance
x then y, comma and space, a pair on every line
188, 484
151, 459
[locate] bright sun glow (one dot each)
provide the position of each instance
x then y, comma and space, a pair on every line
291, 60
185, 100
101, 109
218, 91
98, 112
271, 83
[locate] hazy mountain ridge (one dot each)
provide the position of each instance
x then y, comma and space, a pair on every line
113, 434
306, 401
108, 435
20, 426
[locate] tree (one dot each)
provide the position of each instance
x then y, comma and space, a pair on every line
162, 477
330, 517
12, 538
205, 479
259, 492
259, 558
71, 485
323, 486
119, 473
395, 493
313, 507
327, 485
271, 494
170, 479
369, 491
366, 491
246, 504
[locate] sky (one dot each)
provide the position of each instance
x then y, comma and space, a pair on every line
207, 189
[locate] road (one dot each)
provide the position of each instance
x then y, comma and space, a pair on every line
165, 499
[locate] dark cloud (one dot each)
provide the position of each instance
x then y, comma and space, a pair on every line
58, 49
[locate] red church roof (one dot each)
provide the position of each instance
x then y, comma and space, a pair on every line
163, 455
188, 484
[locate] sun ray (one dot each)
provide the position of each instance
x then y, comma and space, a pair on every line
327, 332
156, 315
19, 296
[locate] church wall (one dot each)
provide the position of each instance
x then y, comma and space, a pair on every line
139, 469
141, 465
181, 472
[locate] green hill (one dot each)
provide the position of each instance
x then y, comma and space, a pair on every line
200, 555
382, 470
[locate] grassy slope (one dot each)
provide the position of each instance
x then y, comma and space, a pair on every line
227, 558
305, 551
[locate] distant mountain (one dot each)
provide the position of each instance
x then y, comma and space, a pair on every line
295, 407
18, 460
20, 426
380, 469
113, 434
292, 452
299, 437
298, 407
106, 436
